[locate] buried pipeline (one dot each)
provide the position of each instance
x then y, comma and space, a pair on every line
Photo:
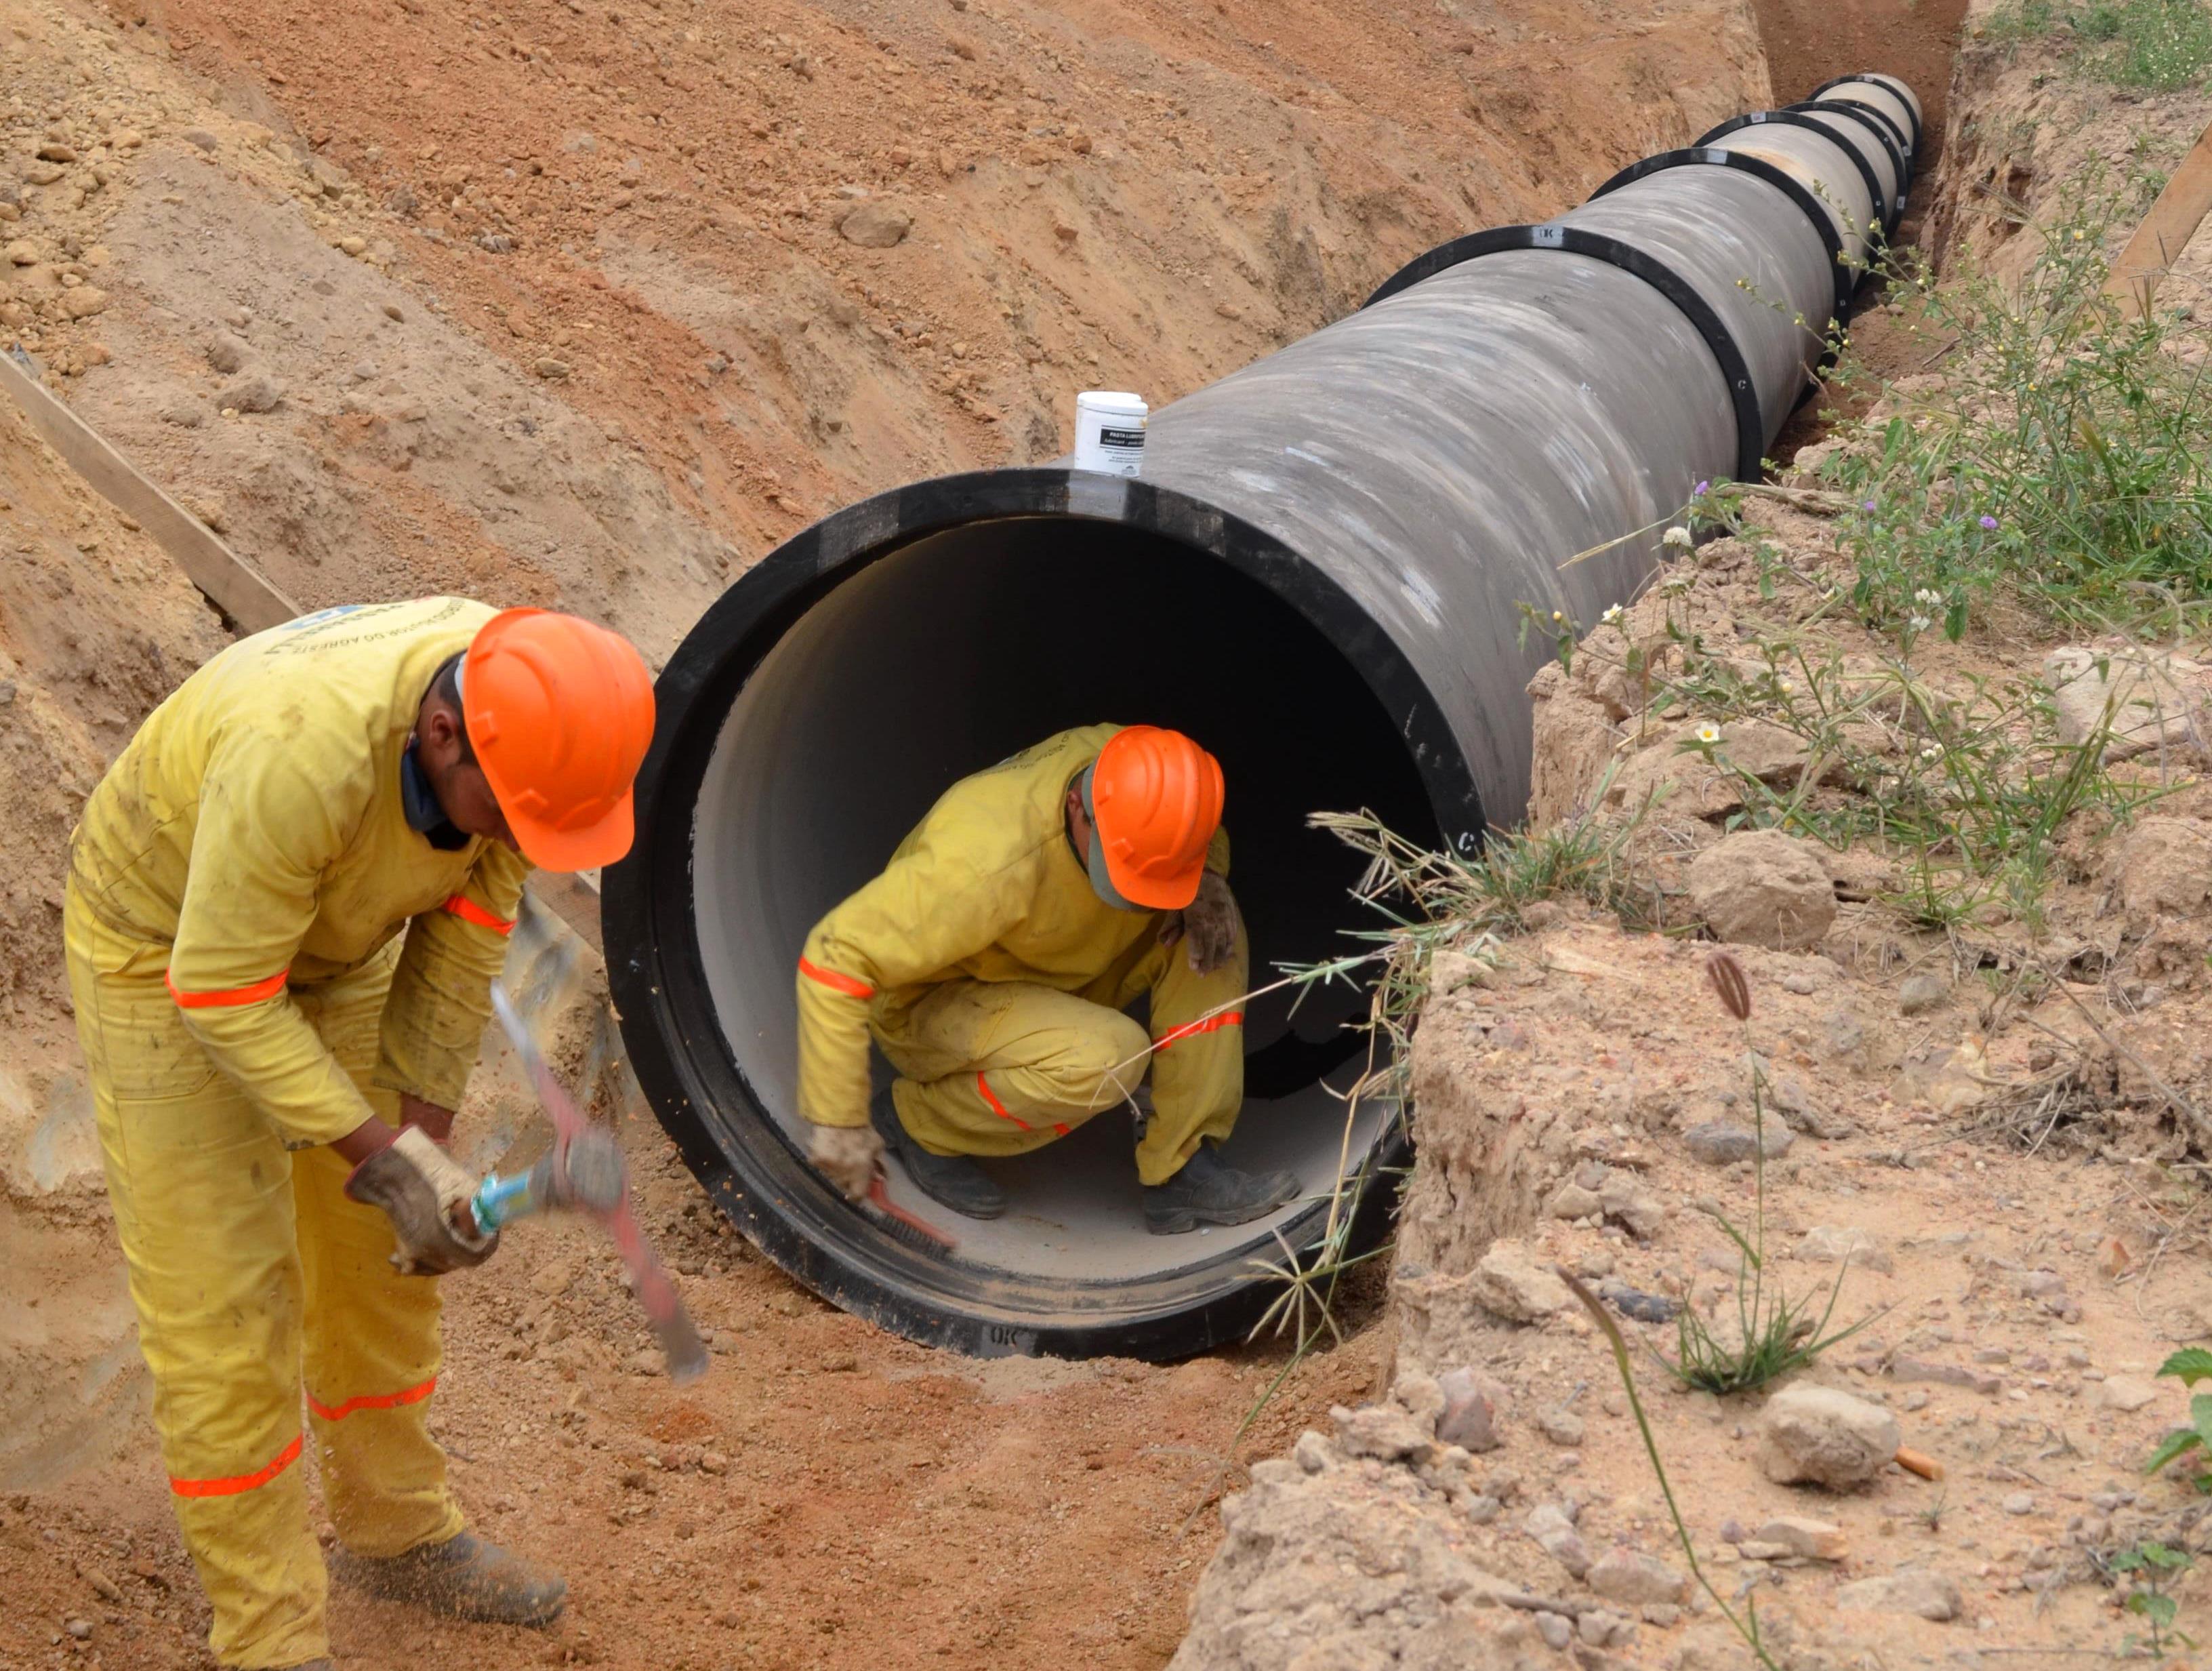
1316, 574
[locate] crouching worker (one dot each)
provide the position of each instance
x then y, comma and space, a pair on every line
286, 903
992, 961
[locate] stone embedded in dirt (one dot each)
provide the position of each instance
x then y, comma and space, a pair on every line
1552, 1530
2017, 1503
2138, 699
1474, 1404
1919, 994
1571, 1201
1831, 1244
394, 312
1380, 1430
54, 151
1627, 1203
1945, 1375
1512, 1282
23, 252
1809, 1539
1760, 888
1801, 1112
1722, 1143
875, 225
1557, 1629
1634, 1302
255, 392
1634, 1579
199, 137
2162, 867
550, 369
1561, 1427
1599, 1629
1917, 1591
84, 301
2124, 1393
1820, 1436
228, 354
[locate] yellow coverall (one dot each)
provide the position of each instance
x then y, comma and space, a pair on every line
238, 889
994, 977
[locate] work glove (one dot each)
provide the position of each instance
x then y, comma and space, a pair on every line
426, 1196
849, 1156
1208, 922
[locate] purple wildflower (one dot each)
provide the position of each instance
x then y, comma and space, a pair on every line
1869, 505
1989, 522
1701, 490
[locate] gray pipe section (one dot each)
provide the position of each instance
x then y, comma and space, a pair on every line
1321, 572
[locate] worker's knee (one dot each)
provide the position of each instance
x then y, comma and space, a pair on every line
1098, 1063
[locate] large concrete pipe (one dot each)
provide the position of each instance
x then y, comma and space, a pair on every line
1317, 574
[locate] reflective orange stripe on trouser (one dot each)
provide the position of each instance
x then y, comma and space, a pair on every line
1004, 1067
240, 1258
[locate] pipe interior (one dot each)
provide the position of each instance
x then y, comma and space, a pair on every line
953, 652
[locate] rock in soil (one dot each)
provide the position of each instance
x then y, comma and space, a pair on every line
1511, 1282
1634, 1580
1918, 1591
1760, 888
1820, 1436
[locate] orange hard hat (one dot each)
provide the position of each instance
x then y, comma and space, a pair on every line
560, 714
1155, 802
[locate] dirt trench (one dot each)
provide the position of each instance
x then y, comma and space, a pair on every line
560, 311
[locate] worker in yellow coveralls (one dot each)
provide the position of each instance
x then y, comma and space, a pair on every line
992, 961
286, 903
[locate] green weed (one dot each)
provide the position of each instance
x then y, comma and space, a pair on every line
2061, 465
2189, 1365
2162, 46
2153, 1566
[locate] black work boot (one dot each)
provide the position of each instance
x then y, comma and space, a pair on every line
466, 1576
952, 1180
1210, 1190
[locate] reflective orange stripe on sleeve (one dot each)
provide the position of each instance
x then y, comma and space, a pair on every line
469, 911
229, 1000
244, 1482
835, 982
374, 1401
1210, 1024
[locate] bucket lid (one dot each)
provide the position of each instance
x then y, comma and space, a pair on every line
1113, 401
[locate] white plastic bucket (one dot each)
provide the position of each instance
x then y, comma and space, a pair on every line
1109, 432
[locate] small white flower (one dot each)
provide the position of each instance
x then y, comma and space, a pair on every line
1933, 599
1612, 615
1930, 753
1787, 686
1679, 538
1709, 733
1918, 623
1557, 617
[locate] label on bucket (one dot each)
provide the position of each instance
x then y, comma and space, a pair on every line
1134, 439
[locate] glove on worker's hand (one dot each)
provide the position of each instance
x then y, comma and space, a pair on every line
848, 1156
1208, 924
426, 1196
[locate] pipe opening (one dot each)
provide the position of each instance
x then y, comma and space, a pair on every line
957, 649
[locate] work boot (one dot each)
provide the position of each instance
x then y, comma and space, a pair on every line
952, 1180
1210, 1190
466, 1576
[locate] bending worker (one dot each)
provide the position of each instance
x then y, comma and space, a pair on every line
993, 961
286, 903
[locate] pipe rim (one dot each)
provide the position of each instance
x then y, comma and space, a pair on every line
1797, 119
1824, 223
1735, 370
657, 976
1896, 84
1878, 124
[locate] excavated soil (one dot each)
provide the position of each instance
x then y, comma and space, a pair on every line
552, 303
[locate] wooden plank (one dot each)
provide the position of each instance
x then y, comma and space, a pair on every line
2165, 232
224, 577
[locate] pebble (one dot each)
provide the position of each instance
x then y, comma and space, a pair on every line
1633, 1579
256, 391
1818, 1436
1472, 1403
199, 137
394, 312
1813, 1539
1722, 1143
2018, 1503
1917, 1592
2124, 1393
1561, 1427
352, 244
1556, 1629
1919, 994
550, 369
